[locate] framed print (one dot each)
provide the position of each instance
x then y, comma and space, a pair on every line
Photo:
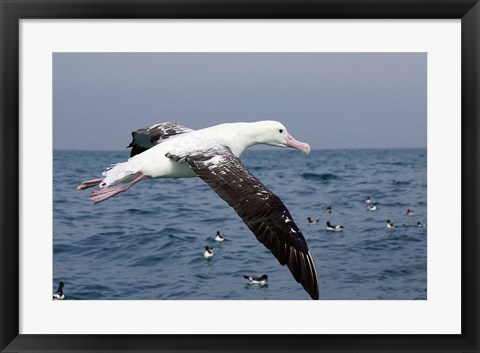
370, 208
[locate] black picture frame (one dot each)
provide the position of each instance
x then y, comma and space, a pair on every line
11, 11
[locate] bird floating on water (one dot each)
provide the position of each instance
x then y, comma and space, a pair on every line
170, 150
410, 212
334, 227
208, 253
328, 209
421, 225
372, 207
219, 237
257, 280
390, 224
59, 294
368, 200
312, 221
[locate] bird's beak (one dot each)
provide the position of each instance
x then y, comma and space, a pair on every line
302, 146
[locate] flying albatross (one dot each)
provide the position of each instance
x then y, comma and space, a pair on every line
170, 150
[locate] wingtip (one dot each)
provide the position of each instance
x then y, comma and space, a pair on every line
315, 295
306, 274
315, 292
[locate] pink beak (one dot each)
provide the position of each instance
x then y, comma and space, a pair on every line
302, 146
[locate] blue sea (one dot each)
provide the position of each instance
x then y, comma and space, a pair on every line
148, 242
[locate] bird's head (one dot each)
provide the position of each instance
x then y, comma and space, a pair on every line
274, 133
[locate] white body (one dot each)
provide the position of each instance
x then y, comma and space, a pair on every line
256, 280
57, 296
207, 254
335, 229
153, 162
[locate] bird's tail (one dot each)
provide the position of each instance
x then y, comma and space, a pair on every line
116, 173
119, 173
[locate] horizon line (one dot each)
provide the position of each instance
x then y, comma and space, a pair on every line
258, 148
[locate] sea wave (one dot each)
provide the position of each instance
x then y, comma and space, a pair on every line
148, 243
320, 177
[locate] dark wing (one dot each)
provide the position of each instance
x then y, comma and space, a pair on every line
261, 210
147, 137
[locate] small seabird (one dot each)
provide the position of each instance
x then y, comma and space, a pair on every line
368, 200
208, 253
372, 207
390, 224
328, 209
421, 225
335, 227
311, 221
410, 212
59, 295
219, 236
257, 280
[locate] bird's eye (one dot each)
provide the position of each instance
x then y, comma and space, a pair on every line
280, 131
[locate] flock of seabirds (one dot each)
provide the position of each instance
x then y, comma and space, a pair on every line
171, 150
371, 206
262, 280
208, 254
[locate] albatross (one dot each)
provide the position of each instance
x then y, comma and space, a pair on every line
171, 150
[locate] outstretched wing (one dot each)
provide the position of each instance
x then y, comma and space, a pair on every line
261, 210
147, 137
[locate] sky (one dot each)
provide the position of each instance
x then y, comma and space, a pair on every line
330, 100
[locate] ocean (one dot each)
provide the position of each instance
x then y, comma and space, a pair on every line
148, 243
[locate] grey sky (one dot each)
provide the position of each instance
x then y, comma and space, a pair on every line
330, 100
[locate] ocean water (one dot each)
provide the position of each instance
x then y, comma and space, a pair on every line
148, 242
